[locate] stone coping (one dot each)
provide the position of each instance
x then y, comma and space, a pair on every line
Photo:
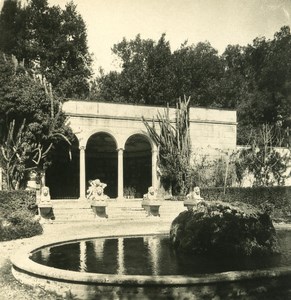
23, 264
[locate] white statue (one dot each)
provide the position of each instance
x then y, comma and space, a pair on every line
195, 195
151, 195
96, 190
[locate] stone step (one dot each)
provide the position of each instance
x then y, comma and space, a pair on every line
80, 211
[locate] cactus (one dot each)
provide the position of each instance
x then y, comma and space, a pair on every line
173, 141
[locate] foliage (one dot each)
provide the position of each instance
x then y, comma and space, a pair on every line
174, 147
12, 200
197, 70
209, 172
17, 211
129, 191
50, 41
261, 158
31, 122
152, 74
277, 197
223, 229
255, 79
145, 76
19, 225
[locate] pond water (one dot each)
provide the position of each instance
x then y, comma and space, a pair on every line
149, 255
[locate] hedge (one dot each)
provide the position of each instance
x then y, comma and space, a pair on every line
279, 197
11, 201
17, 212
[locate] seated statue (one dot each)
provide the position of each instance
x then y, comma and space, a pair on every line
95, 191
151, 202
45, 207
44, 195
193, 200
151, 195
195, 194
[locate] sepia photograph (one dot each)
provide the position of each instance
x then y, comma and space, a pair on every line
145, 149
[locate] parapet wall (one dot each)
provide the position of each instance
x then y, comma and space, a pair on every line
210, 129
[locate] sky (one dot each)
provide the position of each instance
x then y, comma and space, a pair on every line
221, 22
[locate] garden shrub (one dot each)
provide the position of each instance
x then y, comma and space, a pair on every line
17, 212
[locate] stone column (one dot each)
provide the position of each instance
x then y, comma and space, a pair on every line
154, 168
120, 174
82, 174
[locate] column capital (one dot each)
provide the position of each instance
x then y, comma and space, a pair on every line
82, 148
120, 149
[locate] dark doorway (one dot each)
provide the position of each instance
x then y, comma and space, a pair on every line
101, 161
62, 176
137, 164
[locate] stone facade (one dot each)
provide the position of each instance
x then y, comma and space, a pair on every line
210, 130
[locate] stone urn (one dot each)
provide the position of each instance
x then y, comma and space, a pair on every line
32, 182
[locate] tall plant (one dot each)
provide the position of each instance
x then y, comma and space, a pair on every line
173, 141
263, 158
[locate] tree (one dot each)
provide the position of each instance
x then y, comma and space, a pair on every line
51, 42
152, 74
31, 122
145, 76
12, 28
197, 70
266, 92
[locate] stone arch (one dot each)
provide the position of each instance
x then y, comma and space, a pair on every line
101, 160
83, 139
137, 163
62, 176
137, 132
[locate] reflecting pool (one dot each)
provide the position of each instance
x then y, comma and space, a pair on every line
149, 255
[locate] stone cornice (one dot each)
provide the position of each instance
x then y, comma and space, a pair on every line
121, 118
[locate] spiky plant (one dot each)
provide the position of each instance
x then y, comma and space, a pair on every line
173, 141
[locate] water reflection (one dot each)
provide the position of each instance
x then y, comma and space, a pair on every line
148, 255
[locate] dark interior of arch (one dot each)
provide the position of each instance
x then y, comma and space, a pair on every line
101, 162
137, 164
62, 176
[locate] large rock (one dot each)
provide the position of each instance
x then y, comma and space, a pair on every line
219, 228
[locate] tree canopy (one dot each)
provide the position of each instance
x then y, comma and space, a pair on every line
254, 80
50, 41
31, 122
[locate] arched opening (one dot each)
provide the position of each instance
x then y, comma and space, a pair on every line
62, 176
101, 161
137, 165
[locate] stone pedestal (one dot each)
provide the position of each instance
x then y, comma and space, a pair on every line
99, 209
151, 203
191, 204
